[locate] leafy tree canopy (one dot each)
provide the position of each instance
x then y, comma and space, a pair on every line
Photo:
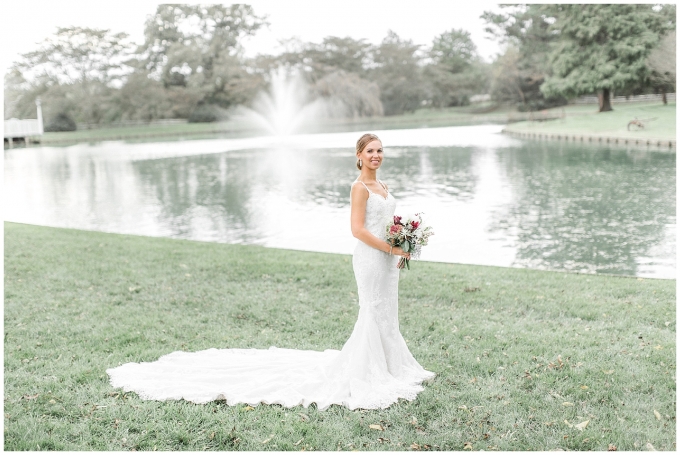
78, 54
454, 50
602, 47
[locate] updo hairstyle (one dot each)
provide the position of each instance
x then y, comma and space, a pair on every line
363, 142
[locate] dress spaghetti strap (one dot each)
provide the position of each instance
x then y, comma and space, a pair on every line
359, 181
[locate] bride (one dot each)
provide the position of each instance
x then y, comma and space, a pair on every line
374, 368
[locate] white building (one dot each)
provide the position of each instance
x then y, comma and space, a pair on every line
24, 129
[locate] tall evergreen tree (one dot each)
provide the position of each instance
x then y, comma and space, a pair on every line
602, 47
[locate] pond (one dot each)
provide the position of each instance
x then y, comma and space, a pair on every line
491, 199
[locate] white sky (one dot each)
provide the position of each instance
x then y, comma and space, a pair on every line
26, 22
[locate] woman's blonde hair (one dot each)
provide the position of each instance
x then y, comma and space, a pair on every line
363, 142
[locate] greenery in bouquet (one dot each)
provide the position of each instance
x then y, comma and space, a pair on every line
410, 235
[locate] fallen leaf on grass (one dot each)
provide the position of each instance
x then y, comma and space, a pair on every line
298, 443
376, 427
569, 424
31, 397
304, 417
415, 446
581, 426
567, 403
584, 387
413, 421
383, 440
467, 446
271, 436
657, 415
468, 289
650, 446
658, 347
462, 407
611, 448
608, 371
473, 380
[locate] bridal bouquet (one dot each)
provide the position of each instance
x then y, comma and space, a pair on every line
410, 235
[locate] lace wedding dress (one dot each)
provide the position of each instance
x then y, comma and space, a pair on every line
373, 370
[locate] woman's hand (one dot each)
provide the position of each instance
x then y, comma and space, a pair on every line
397, 251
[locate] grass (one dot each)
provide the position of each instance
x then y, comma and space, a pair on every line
237, 128
518, 353
141, 132
585, 120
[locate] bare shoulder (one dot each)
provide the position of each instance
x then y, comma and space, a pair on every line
358, 189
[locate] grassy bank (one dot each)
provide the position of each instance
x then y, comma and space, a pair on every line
466, 115
522, 356
586, 121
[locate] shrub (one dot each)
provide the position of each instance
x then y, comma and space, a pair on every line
61, 122
204, 113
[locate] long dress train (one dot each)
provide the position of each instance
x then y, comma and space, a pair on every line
373, 370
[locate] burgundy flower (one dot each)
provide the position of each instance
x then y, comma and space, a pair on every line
397, 220
415, 224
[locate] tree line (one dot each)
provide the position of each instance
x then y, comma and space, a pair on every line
191, 65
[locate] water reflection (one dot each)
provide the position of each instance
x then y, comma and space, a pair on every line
590, 209
493, 200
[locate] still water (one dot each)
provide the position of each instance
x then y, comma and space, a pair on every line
491, 199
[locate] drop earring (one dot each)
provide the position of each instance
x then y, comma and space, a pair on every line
361, 164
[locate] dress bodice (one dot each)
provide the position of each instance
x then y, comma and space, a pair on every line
379, 212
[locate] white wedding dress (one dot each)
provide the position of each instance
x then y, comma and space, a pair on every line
373, 370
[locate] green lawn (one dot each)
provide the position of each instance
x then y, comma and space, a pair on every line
523, 357
585, 120
141, 132
465, 115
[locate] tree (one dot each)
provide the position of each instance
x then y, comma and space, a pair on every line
197, 47
454, 51
348, 95
526, 32
507, 79
335, 53
602, 47
398, 73
74, 72
456, 72
661, 62
79, 55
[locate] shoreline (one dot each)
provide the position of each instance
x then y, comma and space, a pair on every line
593, 138
581, 123
141, 236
